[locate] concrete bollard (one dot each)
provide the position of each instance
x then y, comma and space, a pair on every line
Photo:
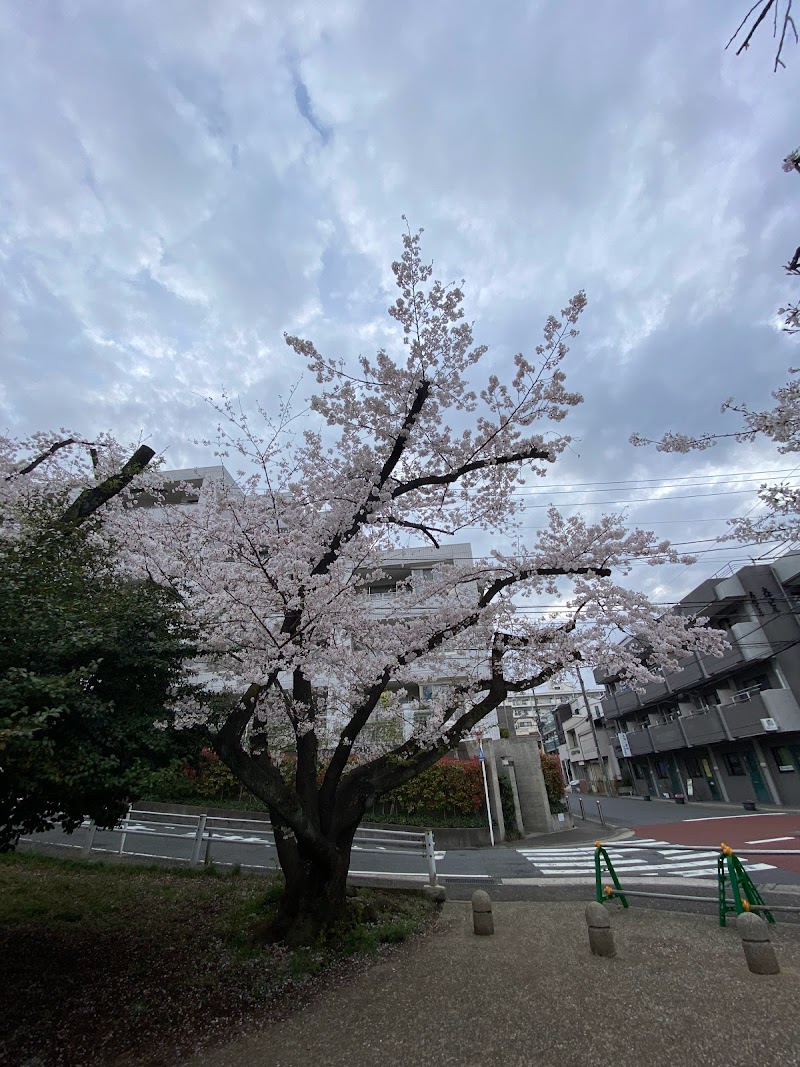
482, 918
601, 936
758, 950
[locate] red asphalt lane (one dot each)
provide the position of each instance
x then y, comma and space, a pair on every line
738, 831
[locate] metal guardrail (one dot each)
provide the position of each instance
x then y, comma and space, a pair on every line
213, 829
730, 872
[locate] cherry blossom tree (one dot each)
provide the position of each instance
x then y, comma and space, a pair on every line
417, 442
276, 572
781, 424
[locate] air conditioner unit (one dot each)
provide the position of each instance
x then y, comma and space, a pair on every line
769, 724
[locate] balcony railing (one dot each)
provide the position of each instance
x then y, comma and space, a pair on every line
752, 713
667, 736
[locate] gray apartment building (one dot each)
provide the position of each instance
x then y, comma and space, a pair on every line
722, 728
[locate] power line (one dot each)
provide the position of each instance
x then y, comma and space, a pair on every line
658, 483
645, 499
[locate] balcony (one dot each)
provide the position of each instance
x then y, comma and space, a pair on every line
689, 672
744, 716
640, 743
654, 692
627, 700
704, 728
730, 658
667, 736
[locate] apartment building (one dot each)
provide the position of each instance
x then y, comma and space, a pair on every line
533, 714
585, 748
722, 728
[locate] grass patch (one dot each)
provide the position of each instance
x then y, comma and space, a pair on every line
119, 964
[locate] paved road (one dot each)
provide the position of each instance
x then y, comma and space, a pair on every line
632, 811
536, 861
710, 824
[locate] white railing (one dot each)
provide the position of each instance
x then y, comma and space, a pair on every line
213, 829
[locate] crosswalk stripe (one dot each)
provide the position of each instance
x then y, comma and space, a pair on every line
579, 861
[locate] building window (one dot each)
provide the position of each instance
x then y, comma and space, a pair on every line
783, 758
735, 765
662, 769
693, 767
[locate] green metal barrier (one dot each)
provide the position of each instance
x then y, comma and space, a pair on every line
744, 895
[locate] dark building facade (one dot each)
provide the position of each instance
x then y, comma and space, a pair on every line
724, 728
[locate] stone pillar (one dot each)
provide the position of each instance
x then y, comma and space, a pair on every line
601, 936
482, 918
758, 950
533, 802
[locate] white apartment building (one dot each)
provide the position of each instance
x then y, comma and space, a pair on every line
533, 713
586, 753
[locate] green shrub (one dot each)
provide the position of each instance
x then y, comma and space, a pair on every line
451, 787
553, 781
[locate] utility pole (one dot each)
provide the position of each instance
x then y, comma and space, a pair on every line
603, 774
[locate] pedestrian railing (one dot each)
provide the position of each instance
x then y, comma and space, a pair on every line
205, 832
731, 875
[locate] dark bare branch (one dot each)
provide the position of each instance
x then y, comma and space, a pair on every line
91, 500
457, 473
787, 24
51, 451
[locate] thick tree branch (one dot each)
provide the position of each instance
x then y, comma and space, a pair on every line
468, 468
91, 500
362, 514
403, 763
499, 584
259, 774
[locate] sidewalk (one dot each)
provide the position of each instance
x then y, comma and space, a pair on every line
677, 995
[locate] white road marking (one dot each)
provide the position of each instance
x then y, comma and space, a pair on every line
719, 818
768, 840
411, 874
578, 862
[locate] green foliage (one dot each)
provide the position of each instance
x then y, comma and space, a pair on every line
426, 818
200, 777
89, 664
504, 732
553, 781
451, 786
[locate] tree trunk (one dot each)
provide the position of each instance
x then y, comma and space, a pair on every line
315, 895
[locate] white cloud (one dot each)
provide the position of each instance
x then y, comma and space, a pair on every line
180, 183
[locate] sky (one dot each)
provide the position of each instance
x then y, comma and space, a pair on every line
182, 182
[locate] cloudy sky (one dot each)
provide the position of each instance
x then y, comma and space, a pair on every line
182, 181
